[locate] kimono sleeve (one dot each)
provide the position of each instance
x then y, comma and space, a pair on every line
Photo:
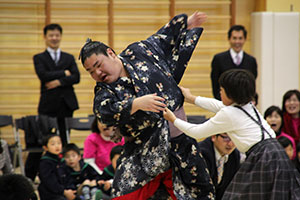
109, 109
177, 43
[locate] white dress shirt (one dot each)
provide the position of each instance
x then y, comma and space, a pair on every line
234, 54
51, 51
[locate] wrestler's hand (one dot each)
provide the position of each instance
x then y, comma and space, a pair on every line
52, 84
169, 115
196, 20
150, 102
188, 97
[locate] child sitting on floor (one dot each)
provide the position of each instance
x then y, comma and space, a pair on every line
51, 186
78, 175
107, 177
267, 173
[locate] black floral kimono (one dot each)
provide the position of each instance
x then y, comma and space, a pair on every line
154, 65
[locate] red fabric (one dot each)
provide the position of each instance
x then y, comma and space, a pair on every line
288, 127
150, 188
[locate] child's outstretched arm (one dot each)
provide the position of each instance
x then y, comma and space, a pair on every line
188, 96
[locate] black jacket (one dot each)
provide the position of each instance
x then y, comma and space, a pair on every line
51, 185
47, 70
223, 62
230, 167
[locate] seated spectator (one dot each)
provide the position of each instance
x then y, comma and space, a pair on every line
222, 159
78, 175
287, 145
297, 159
51, 186
107, 177
98, 145
274, 116
291, 117
5, 161
16, 187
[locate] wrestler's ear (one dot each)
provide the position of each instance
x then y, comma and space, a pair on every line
110, 52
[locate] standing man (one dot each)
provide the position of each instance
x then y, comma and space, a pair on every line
58, 72
235, 57
222, 159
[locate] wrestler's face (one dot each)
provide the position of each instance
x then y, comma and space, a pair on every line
237, 40
53, 38
223, 144
102, 68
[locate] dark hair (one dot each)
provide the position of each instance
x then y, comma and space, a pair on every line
47, 137
255, 98
92, 47
298, 148
16, 186
94, 126
276, 109
52, 27
71, 147
115, 151
284, 141
239, 85
237, 28
288, 95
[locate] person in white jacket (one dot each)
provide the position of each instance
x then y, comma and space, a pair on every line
267, 172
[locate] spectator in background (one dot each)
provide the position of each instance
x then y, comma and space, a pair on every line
16, 187
222, 159
274, 116
287, 145
51, 186
58, 72
291, 110
5, 161
234, 58
98, 144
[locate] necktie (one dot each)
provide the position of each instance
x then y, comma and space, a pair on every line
220, 168
55, 57
238, 59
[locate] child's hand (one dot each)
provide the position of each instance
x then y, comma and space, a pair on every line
70, 194
106, 184
188, 97
169, 115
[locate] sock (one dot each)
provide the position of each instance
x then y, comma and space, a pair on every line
86, 192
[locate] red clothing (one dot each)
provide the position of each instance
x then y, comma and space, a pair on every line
289, 124
150, 188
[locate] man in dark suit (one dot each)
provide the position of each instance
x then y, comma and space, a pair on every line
235, 57
58, 73
222, 159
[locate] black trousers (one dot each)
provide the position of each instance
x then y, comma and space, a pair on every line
33, 160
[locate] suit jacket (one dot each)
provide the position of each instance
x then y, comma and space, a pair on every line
230, 167
223, 62
47, 70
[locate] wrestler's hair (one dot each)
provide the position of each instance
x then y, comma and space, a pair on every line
237, 28
71, 147
92, 47
16, 186
52, 27
239, 85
